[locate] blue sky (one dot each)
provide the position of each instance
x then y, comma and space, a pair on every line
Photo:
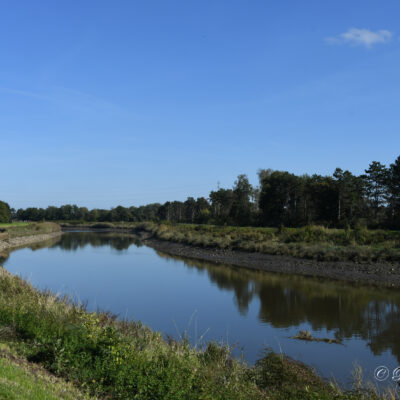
130, 102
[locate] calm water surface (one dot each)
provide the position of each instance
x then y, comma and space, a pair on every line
206, 302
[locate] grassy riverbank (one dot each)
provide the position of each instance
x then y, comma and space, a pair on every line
22, 380
114, 359
310, 242
21, 229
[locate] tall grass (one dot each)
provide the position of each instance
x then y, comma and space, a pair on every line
21, 380
27, 229
312, 242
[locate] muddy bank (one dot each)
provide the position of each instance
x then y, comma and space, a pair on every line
377, 274
26, 240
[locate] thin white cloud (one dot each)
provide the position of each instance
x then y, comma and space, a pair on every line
361, 37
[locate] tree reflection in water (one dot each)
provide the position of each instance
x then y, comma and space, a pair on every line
116, 240
347, 310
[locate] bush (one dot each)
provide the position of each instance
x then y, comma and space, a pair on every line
3, 234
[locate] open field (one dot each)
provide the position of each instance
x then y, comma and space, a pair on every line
27, 229
16, 230
2, 225
125, 360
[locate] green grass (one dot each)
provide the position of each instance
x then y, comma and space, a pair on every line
26, 229
114, 359
21, 380
312, 242
9, 225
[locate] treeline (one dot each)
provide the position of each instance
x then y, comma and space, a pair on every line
281, 198
74, 213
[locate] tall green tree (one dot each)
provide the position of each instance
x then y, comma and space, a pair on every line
241, 209
376, 188
5, 212
278, 198
190, 209
349, 197
394, 193
319, 202
122, 214
203, 212
221, 204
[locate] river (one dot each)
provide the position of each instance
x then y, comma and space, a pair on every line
203, 302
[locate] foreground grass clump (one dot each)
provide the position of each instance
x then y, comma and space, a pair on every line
312, 242
114, 359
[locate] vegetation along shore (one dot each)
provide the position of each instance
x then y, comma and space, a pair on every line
23, 234
112, 359
355, 255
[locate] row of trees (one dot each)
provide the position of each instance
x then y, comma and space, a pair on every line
70, 212
281, 198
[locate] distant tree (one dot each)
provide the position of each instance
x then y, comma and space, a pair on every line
264, 173
221, 204
241, 208
376, 187
145, 213
278, 203
74, 212
121, 214
349, 190
32, 214
394, 193
66, 212
203, 212
103, 215
164, 213
178, 211
110, 215
93, 215
319, 202
20, 214
52, 213
190, 209
82, 214
5, 212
